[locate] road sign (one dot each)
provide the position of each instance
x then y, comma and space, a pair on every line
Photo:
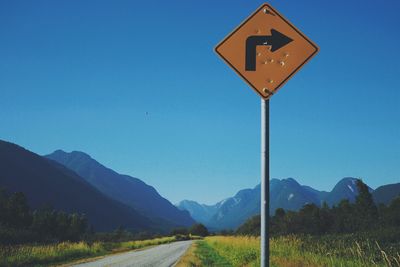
266, 50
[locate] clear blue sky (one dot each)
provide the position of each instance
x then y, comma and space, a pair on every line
138, 86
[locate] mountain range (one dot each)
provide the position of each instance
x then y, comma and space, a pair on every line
74, 182
47, 183
131, 191
286, 193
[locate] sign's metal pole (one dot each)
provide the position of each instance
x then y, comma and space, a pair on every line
264, 183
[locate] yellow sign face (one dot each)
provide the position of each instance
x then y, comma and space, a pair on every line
266, 50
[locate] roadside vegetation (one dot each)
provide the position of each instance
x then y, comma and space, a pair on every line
19, 224
47, 236
190, 258
358, 234
29, 255
338, 250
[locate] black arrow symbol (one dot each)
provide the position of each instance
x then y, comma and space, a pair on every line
276, 40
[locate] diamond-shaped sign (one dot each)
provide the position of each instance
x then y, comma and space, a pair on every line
266, 50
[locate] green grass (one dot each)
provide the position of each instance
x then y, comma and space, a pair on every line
31, 255
293, 251
238, 251
208, 256
353, 250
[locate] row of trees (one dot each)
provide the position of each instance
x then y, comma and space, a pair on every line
196, 229
19, 224
345, 217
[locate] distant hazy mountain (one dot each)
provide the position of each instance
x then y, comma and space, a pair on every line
200, 212
386, 193
45, 182
126, 189
226, 214
286, 193
234, 211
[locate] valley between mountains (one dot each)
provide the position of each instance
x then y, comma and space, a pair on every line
75, 182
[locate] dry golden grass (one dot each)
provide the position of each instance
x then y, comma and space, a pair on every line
144, 243
189, 259
28, 255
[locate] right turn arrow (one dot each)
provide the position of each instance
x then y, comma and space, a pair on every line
276, 40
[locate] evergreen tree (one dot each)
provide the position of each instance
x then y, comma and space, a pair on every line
326, 218
250, 227
3, 207
308, 219
392, 213
277, 222
18, 211
119, 233
344, 217
365, 208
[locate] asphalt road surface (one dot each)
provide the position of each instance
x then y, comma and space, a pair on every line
159, 256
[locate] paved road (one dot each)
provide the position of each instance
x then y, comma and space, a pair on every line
160, 256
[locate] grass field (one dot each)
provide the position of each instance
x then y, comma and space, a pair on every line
28, 255
293, 251
289, 251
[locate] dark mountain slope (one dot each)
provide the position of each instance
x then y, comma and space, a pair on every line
386, 193
47, 183
126, 189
